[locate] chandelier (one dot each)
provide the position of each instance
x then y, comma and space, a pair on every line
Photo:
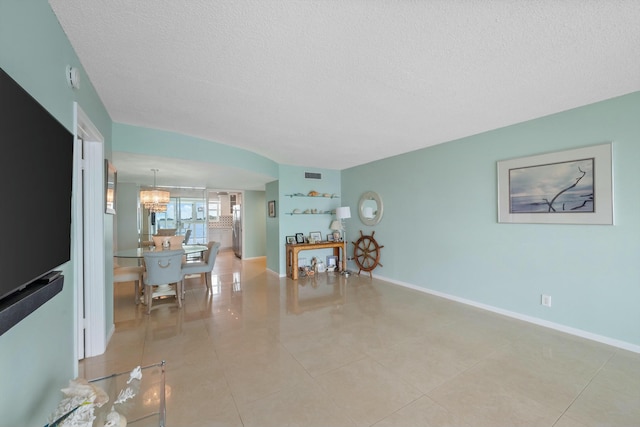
155, 200
157, 208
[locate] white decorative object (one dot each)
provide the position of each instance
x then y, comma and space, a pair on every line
82, 397
125, 395
136, 374
115, 419
80, 402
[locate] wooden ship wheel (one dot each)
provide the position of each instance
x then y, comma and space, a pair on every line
366, 253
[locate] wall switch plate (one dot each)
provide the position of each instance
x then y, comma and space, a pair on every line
545, 300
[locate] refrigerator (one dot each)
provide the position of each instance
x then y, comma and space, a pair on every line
237, 230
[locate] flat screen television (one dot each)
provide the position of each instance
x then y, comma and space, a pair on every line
36, 173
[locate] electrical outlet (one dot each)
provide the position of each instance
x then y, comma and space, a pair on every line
545, 300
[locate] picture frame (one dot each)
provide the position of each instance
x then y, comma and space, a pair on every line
330, 237
566, 187
332, 261
272, 208
291, 240
316, 236
299, 238
110, 187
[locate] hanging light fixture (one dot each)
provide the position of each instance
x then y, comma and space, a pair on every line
154, 199
157, 208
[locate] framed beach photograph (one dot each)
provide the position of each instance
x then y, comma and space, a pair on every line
272, 208
316, 236
291, 240
110, 183
566, 187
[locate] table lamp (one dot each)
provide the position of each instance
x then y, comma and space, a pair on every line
343, 213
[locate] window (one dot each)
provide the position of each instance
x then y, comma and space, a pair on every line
214, 210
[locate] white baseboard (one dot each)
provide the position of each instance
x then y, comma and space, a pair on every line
540, 322
253, 258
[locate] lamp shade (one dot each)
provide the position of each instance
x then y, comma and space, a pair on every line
336, 225
154, 197
343, 212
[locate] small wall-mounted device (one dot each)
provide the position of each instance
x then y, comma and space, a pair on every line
73, 77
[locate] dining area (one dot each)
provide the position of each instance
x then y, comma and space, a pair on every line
162, 267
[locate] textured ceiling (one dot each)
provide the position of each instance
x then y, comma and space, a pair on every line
334, 84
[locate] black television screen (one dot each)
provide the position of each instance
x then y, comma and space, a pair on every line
36, 173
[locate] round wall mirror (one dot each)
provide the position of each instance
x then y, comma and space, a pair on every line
370, 208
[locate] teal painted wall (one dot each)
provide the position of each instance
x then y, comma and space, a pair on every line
273, 228
255, 235
440, 228
139, 140
127, 220
36, 356
291, 181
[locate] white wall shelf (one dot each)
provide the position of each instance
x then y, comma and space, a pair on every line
321, 196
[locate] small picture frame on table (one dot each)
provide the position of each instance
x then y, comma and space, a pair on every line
332, 263
330, 237
291, 240
316, 236
299, 238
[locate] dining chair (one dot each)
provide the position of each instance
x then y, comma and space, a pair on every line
205, 267
175, 242
187, 235
166, 232
158, 241
163, 276
129, 274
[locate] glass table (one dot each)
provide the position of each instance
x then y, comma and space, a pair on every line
146, 408
139, 252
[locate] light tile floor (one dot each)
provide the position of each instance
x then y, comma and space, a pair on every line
333, 351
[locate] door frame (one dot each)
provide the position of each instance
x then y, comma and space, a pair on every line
88, 241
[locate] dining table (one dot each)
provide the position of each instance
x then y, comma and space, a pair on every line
138, 253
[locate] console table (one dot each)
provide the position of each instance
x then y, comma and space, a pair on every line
295, 248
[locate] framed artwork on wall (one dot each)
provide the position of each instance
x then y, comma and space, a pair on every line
566, 187
272, 208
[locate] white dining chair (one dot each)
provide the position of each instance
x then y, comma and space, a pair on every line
163, 277
133, 274
205, 267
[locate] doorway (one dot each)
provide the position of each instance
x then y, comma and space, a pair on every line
88, 237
